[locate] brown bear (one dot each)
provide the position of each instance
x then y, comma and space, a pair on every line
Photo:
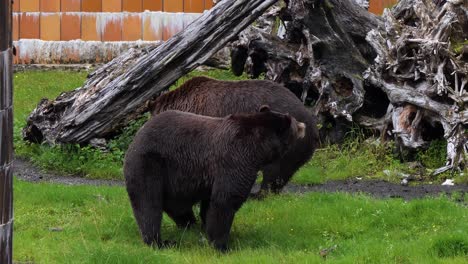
178, 159
205, 96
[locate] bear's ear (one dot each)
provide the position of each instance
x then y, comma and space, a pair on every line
264, 108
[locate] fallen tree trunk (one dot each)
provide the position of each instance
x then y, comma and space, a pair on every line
402, 75
117, 92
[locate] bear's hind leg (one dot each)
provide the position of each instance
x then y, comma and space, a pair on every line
148, 215
144, 187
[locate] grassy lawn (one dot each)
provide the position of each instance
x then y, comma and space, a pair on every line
83, 224
355, 158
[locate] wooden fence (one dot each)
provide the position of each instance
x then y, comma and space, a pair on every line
6, 134
90, 31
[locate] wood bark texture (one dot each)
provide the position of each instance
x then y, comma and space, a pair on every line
403, 74
422, 69
6, 133
117, 92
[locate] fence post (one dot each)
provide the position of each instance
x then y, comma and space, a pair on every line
6, 133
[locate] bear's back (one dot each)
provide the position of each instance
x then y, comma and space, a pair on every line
178, 124
210, 97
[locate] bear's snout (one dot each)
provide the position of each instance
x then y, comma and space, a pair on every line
301, 127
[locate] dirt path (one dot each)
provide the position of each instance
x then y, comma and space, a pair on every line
378, 188
26, 171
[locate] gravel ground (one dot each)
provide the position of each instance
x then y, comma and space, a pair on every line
378, 188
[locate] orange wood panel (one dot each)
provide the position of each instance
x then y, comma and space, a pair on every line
88, 27
152, 5
194, 6
111, 5
173, 6
29, 26
91, 5
112, 29
15, 26
132, 5
131, 27
71, 6
16, 5
152, 27
50, 26
377, 6
70, 27
50, 5
208, 4
29, 6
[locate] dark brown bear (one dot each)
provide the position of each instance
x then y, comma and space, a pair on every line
178, 159
205, 96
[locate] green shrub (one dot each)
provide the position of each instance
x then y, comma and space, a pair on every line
434, 156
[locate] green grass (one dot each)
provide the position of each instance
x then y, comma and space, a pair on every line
83, 224
353, 159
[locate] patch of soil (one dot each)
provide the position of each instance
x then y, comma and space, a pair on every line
382, 189
377, 188
24, 170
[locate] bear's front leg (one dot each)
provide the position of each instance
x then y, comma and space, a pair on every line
220, 214
219, 218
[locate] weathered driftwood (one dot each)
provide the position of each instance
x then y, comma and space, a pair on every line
117, 92
397, 74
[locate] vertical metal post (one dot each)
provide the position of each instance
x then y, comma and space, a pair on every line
6, 133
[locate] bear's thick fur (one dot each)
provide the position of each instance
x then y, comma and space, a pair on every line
209, 97
178, 159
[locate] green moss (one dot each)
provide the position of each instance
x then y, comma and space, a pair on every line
457, 47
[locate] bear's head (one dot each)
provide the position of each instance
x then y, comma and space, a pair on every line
286, 127
273, 132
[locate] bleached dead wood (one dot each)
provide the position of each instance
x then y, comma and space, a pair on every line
421, 74
118, 91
